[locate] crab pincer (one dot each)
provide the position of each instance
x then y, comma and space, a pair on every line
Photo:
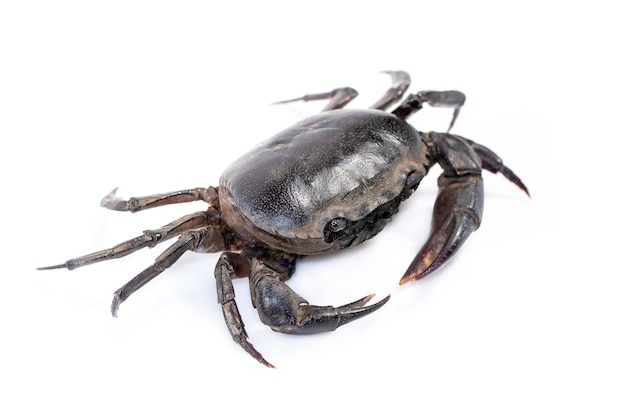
459, 205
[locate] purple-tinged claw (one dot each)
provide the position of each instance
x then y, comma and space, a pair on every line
457, 213
442, 244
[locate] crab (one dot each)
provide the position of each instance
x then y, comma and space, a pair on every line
329, 182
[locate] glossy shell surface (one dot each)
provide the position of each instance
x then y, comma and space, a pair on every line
337, 164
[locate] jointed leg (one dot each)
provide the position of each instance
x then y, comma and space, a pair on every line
150, 238
341, 96
493, 163
338, 97
400, 83
278, 305
189, 241
230, 266
134, 204
414, 102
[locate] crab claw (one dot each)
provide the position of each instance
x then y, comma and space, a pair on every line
442, 244
457, 214
319, 319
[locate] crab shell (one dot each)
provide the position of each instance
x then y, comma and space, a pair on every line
352, 165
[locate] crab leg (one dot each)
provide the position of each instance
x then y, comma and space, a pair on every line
278, 305
415, 102
338, 97
134, 204
400, 81
149, 238
233, 265
492, 163
459, 205
203, 240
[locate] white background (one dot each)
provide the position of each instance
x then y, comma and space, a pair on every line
156, 96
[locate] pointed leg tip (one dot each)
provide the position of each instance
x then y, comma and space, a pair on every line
511, 176
517, 181
111, 193
390, 73
250, 349
256, 355
395, 73
113, 202
292, 100
47, 268
115, 304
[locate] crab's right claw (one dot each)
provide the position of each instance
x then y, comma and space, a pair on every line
457, 213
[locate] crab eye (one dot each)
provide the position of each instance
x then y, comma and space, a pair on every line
413, 179
338, 224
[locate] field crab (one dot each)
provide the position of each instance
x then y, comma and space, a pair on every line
328, 182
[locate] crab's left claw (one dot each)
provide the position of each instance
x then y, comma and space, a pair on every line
459, 205
457, 214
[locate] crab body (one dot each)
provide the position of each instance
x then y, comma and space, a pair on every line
328, 182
